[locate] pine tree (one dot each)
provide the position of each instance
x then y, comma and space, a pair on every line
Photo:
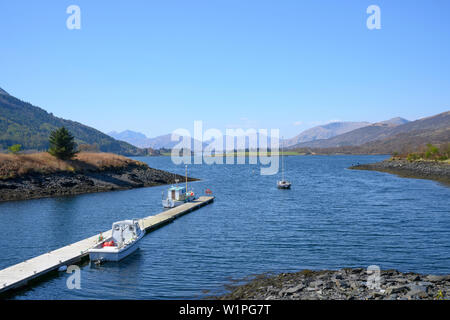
62, 145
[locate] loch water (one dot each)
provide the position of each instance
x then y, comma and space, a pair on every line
332, 217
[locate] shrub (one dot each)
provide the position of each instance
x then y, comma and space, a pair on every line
432, 152
15, 148
413, 157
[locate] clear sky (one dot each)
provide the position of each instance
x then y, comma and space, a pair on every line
154, 66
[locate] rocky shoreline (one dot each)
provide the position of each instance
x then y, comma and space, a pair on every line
344, 284
37, 185
432, 170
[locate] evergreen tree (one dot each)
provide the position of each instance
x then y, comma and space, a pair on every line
62, 145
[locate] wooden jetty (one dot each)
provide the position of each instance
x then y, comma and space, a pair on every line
20, 274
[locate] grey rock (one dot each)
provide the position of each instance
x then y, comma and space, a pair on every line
417, 292
415, 287
434, 278
341, 284
424, 283
316, 283
397, 289
294, 289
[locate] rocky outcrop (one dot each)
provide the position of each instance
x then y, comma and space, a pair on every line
433, 170
344, 284
36, 185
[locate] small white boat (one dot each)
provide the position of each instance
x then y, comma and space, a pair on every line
123, 241
283, 184
177, 195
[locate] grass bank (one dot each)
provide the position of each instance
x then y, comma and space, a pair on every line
39, 175
15, 166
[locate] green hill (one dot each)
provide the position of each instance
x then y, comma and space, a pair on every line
28, 125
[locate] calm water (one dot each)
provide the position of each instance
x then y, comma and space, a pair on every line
332, 218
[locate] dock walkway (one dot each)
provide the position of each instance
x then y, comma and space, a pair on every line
20, 274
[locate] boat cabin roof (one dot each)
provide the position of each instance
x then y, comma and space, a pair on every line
124, 223
177, 188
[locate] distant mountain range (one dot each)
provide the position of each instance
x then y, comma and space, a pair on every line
28, 125
135, 138
395, 135
142, 141
165, 141
357, 136
324, 132
316, 133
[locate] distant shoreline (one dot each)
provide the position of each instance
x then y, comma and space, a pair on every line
257, 154
432, 170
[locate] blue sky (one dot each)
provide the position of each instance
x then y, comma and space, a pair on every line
154, 66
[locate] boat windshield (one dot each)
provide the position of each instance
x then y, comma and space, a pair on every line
125, 231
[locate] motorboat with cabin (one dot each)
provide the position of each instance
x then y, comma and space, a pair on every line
124, 240
177, 195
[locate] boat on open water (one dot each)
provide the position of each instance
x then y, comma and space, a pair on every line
283, 183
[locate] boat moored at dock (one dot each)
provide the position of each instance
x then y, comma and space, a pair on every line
124, 240
177, 195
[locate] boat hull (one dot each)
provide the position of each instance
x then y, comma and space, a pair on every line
112, 256
284, 185
168, 203
113, 253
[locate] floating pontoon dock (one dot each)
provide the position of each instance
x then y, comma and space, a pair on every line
20, 274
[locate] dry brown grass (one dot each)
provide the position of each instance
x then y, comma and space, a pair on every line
12, 166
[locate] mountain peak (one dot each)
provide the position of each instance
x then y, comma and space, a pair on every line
394, 121
325, 131
127, 135
3, 92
